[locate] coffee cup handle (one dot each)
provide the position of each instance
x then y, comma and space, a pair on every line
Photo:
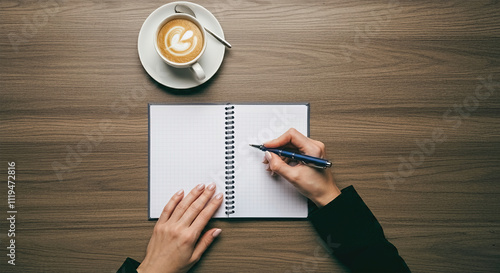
198, 71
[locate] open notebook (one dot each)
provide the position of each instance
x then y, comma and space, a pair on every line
203, 143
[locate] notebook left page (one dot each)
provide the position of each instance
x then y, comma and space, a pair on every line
186, 147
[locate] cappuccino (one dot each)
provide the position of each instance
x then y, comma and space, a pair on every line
180, 40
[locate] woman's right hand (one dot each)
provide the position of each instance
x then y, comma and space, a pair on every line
316, 184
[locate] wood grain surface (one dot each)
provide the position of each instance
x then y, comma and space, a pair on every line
381, 77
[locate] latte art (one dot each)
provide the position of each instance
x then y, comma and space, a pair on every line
180, 40
180, 46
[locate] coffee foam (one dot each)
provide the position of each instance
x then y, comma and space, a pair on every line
180, 40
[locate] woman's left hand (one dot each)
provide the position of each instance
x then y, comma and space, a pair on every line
174, 245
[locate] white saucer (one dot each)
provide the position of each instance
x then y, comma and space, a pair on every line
179, 78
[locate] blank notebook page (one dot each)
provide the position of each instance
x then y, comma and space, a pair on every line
186, 148
257, 193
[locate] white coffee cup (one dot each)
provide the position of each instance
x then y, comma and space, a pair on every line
192, 64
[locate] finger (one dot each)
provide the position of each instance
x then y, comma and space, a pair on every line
204, 242
292, 148
170, 206
292, 136
198, 205
187, 201
280, 167
286, 159
320, 148
206, 214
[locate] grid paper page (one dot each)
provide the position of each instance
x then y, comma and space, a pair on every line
257, 193
186, 148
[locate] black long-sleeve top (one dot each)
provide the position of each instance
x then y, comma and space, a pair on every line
351, 233
354, 235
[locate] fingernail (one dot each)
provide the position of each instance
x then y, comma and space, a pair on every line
211, 186
268, 156
180, 192
200, 187
267, 167
219, 196
264, 160
272, 173
216, 232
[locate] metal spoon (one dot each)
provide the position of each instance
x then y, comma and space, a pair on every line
185, 9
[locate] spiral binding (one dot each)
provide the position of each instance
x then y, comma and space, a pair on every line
229, 178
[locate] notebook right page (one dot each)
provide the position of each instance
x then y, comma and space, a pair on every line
257, 193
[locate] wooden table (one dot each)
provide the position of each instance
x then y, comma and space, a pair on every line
399, 92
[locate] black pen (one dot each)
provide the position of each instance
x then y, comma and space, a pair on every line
307, 160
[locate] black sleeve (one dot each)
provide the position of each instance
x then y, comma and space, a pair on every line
129, 266
354, 235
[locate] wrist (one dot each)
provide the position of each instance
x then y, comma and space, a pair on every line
142, 268
325, 199
146, 267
